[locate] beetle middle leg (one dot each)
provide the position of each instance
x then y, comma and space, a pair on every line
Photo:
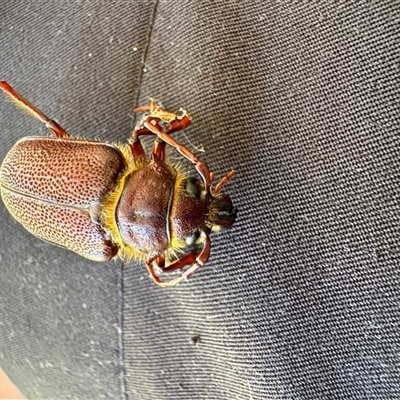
28, 107
176, 122
152, 126
172, 121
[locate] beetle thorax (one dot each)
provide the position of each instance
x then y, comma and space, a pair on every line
143, 208
156, 212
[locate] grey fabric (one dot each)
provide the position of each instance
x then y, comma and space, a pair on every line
300, 299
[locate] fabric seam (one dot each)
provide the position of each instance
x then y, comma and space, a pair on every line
145, 53
121, 285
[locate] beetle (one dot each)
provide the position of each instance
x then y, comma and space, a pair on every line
104, 201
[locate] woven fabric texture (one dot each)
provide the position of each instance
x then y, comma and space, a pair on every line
300, 299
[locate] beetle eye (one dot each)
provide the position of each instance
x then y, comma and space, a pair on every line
192, 188
192, 238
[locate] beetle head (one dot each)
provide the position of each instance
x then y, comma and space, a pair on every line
214, 210
222, 214
198, 210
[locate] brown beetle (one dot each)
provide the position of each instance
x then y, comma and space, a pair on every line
103, 201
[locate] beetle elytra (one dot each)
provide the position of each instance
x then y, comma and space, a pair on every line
104, 201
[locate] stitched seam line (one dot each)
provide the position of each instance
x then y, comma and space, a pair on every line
145, 53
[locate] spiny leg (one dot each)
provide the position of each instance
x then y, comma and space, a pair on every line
28, 107
188, 259
175, 121
173, 126
158, 116
137, 149
195, 261
200, 166
222, 182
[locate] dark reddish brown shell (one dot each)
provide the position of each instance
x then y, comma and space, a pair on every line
143, 210
55, 187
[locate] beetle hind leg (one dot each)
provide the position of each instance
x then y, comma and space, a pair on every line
28, 107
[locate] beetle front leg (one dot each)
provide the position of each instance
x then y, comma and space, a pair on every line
188, 259
28, 107
197, 262
150, 267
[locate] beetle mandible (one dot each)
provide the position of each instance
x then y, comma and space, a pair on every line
104, 201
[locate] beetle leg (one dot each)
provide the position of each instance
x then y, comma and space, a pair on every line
188, 259
150, 107
175, 121
200, 166
173, 125
222, 182
137, 149
157, 115
179, 123
28, 107
197, 262
159, 149
136, 145
150, 267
